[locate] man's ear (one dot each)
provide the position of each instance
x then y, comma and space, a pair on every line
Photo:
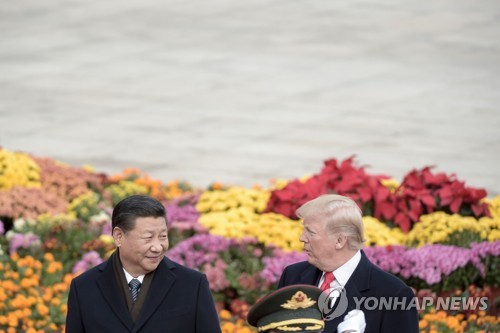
340, 241
118, 236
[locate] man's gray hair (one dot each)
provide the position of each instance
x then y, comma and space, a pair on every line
341, 215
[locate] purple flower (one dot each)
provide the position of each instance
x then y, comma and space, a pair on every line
433, 262
183, 209
216, 275
25, 241
274, 266
2, 228
485, 248
107, 229
89, 260
196, 251
182, 214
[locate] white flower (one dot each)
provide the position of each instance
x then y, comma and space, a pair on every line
19, 224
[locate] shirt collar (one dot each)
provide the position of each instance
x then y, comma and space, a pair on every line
130, 277
344, 272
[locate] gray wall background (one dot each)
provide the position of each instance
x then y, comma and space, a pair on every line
244, 91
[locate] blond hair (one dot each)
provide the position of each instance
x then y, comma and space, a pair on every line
341, 215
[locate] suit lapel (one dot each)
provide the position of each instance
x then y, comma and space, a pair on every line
163, 280
113, 295
311, 275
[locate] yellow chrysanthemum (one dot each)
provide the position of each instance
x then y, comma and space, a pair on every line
377, 233
494, 206
18, 169
234, 197
443, 228
270, 228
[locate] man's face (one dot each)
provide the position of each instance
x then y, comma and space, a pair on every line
318, 243
144, 247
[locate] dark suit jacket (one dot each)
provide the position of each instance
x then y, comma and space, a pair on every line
178, 300
367, 281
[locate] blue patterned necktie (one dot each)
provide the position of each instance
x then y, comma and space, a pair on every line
134, 285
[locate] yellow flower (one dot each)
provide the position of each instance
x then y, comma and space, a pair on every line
391, 184
494, 206
443, 228
234, 197
124, 189
269, 228
18, 169
379, 234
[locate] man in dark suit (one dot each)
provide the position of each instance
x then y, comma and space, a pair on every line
333, 237
138, 289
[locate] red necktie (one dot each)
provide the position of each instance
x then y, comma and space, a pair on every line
329, 277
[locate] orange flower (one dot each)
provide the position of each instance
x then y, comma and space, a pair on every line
27, 283
26, 312
12, 275
217, 186
48, 295
42, 309
228, 327
12, 320
225, 315
29, 272
54, 267
422, 323
67, 279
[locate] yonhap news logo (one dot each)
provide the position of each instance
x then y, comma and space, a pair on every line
335, 303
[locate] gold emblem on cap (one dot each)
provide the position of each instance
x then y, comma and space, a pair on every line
298, 300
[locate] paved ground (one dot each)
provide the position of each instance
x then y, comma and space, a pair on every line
244, 91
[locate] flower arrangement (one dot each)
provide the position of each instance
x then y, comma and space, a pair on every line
442, 228
440, 321
232, 266
269, 228
421, 192
65, 181
430, 230
154, 187
440, 267
28, 202
33, 294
